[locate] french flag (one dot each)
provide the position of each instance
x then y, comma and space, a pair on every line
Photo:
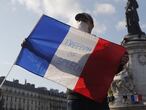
77, 60
136, 98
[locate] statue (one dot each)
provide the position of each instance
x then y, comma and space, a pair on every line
123, 86
132, 18
123, 83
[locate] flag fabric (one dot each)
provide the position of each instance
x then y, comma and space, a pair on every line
77, 60
136, 98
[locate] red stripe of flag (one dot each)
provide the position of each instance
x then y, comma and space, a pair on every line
99, 70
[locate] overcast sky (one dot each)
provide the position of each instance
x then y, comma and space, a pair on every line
18, 18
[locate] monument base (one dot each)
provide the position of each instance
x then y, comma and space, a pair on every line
129, 107
129, 86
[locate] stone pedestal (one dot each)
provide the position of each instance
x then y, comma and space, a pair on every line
136, 46
139, 107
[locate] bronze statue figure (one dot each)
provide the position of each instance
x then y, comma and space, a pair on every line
132, 18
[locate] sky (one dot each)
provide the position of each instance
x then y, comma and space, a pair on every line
18, 18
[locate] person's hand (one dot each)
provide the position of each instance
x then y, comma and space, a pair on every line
123, 62
24, 43
124, 59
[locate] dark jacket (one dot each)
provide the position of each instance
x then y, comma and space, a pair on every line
79, 102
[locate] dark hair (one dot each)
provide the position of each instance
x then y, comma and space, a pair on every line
84, 17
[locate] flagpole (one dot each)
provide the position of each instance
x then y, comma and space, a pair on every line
8, 72
12, 65
6, 76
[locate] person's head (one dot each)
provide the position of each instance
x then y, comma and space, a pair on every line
86, 22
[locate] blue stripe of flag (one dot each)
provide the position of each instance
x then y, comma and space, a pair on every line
42, 44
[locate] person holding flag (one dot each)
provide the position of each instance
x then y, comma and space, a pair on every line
74, 59
77, 101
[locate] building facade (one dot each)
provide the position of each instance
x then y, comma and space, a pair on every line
16, 96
